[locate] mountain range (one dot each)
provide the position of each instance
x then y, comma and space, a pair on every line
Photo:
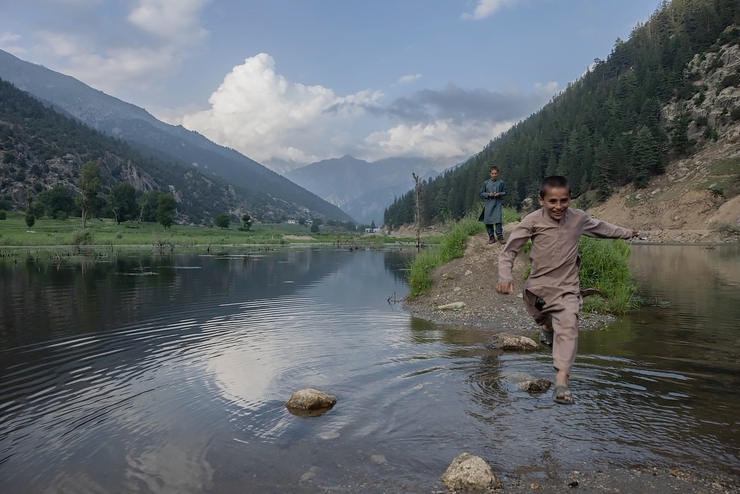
265, 189
363, 189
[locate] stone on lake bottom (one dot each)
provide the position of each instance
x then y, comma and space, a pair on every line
310, 399
469, 472
536, 385
512, 343
378, 459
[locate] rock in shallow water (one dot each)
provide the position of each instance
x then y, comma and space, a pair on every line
535, 385
311, 399
512, 343
469, 472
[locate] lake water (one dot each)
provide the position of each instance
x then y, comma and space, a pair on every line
170, 375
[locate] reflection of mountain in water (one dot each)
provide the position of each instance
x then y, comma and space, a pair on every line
43, 301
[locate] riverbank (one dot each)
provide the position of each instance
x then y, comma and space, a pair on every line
471, 280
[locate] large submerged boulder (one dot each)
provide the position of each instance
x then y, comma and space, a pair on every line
469, 472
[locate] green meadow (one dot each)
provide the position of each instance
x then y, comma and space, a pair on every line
105, 233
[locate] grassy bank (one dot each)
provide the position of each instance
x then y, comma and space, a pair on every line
105, 232
450, 247
605, 266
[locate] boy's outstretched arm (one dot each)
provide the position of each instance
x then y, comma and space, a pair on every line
518, 238
602, 229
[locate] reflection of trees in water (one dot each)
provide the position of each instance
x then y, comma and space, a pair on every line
43, 299
688, 273
397, 262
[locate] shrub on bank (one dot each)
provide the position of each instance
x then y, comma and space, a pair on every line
452, 246
605, 266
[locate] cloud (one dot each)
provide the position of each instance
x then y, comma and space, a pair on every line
283, 124
409, 78
174, 22
7, 43
487, 8
439, 141
263, 115
118, 49
478, 105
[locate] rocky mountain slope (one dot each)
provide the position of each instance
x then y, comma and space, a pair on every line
698, 198
265, 189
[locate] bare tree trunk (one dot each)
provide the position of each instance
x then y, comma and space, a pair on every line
84, 218
417, 210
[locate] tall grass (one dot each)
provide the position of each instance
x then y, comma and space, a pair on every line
452, 246
511, 215
605, 266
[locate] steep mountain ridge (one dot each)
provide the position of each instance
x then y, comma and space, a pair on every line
659, 98
170, 143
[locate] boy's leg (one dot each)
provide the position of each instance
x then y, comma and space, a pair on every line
565, 344
543, 319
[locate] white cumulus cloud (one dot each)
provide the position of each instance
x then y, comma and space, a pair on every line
266, 117
442, 140
284, 124
409, 78
175, 22
487, 8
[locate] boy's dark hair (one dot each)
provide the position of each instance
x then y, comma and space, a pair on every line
493, 167
552, 182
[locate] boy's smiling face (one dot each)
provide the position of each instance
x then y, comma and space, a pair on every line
556, 202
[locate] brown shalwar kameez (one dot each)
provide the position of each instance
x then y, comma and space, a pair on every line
554, 274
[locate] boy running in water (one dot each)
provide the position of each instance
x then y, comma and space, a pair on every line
552, 292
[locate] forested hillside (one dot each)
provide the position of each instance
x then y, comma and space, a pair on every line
269, 195
620, 123
42, 150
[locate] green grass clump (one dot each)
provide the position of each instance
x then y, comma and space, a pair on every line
605, 266
511, 215
452, 246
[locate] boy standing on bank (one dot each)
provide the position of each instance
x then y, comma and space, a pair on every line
493, 192
552, 293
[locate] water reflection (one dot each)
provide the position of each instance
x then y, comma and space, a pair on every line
170, 375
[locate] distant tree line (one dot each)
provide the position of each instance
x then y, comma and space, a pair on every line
604, 130
122, 203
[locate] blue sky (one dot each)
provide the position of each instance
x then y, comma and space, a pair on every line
289, 82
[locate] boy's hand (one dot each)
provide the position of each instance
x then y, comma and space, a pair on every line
505, 287
635, 233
